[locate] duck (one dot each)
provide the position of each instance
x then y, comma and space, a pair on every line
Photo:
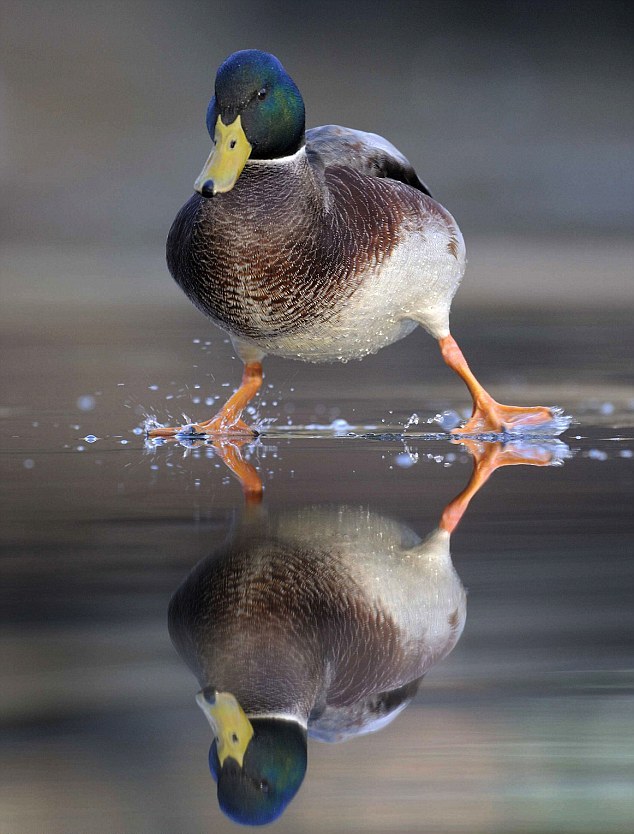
318, 621
319, 245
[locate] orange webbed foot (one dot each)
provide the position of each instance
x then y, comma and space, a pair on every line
227, 423
491, 417
215, 427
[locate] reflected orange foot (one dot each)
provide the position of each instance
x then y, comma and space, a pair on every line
490, 416
231, 456
487, 457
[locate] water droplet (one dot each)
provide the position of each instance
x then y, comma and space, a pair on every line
405, 460
91, 438
448, 420
86, 402
597, 454
340, 424
28, 463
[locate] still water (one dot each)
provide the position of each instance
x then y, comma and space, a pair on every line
517, 605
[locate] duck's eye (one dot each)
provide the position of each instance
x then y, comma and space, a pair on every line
264, 786
232, 144
262, 94
234, 738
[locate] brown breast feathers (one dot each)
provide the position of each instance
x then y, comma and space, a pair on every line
288, 245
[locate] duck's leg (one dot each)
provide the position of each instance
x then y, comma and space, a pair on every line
227, 421
487, 457
489, 415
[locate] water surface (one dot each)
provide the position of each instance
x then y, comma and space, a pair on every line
525, 727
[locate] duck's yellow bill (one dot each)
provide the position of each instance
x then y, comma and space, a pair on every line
226, 160
232, 729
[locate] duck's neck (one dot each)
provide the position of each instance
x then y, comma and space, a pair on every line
286, 684
292, 177
278, 198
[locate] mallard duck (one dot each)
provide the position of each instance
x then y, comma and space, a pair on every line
319, 622
318, 245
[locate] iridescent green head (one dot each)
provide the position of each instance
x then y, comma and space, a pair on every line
257, 112
258, 763
271, 774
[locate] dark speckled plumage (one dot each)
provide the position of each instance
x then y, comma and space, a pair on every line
294, 618
289, 618
292, 240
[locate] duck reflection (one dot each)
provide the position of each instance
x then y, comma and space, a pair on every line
320, 622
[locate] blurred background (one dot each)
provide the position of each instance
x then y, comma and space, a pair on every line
517, 114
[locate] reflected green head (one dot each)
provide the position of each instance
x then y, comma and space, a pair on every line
271, 774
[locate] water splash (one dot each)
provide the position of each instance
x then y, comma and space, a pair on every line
414, 420
406, 459
447, 420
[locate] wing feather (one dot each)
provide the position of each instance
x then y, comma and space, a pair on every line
367, 153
